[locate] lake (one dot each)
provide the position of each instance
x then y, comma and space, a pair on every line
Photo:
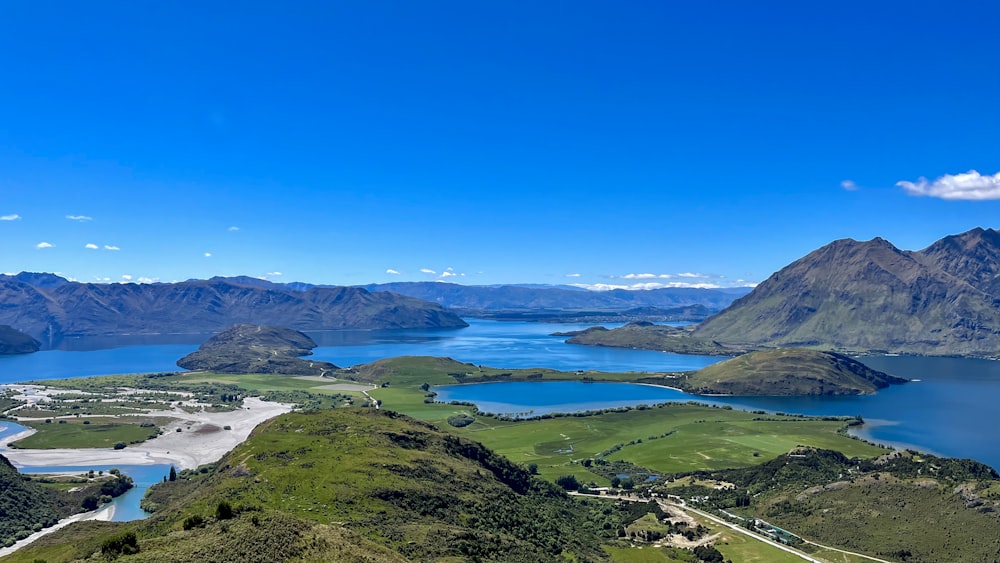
951, 411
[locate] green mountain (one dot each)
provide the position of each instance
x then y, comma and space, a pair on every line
16, 342
788, 371
248, 348
873, 297
24, 506
348, 485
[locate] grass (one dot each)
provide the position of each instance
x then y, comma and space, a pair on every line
100, 433
266, 382
646, 554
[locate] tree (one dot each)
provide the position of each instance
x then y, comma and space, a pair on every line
568, 482
616, 482
533, 468
173, 474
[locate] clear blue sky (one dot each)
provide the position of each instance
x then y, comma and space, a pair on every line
510, 141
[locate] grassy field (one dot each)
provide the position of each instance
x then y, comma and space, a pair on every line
100, 433
268, 382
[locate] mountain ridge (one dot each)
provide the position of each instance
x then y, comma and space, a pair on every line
869, 296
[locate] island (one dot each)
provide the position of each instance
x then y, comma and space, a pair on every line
249, 348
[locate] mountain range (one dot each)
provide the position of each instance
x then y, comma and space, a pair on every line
49, 308
869, 296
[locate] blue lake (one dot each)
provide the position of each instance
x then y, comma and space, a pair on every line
951, 411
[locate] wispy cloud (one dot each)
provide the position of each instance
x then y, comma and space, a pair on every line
849, 185
144, 279
573, 275
91, 246
233, 229
44, 244
427, 271
646, 285
273, 274
126, 277
208, 255
392, 272
691, 275
80, 218
448, 274
639, 276
11, 217
111, 247
969, 186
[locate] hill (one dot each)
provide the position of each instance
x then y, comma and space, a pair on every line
248, 348
649, 336
16, 342
787, 371
873, 297
49, 311
350, 485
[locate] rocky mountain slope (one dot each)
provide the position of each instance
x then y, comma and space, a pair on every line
248, 348
872, 296
49, 310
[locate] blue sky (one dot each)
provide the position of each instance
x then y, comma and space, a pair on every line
488, 142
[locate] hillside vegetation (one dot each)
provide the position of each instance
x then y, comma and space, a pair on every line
788, 371
249, 348
353, 484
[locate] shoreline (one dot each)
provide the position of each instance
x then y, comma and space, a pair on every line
104, 513
189, 441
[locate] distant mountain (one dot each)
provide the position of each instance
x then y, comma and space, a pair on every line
250, 348
16, 342
50, 311
872, 296
649, 336
788, 372
520, 297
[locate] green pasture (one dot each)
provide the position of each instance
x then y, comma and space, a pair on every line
100, 433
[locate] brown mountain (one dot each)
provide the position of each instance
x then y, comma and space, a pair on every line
872, 296
50, 311
249, 348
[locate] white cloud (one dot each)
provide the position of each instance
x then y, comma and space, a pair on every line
427, 271
100, 279
111, 247
126, 277
208, 255
11, 217
573, 275
969, 186
273, 274
639, 276
448, 274
91, 246
849, 185
665, 276
143, 279
233, 229
392, 272
44, 244
691, 275
80, 218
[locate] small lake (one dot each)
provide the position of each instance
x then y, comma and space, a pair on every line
950, 411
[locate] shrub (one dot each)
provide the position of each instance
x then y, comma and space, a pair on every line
119, 445
125, 544
460, 420
568, 482
223, 511
193, 521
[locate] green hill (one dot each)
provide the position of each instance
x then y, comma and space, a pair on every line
788, 371
249, 348
349, 485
